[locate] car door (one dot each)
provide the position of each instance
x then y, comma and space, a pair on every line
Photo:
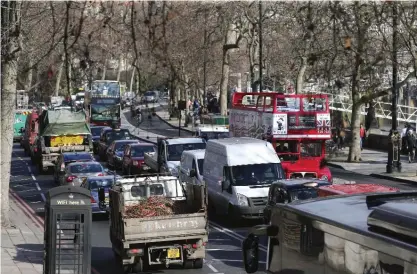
126, 157
109, 154
224, 196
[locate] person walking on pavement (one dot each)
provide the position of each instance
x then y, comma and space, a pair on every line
411, 143
404, 139
362, 134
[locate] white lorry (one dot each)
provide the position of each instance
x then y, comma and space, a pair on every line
168, 156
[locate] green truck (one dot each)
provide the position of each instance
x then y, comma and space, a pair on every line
20, 117
61, 131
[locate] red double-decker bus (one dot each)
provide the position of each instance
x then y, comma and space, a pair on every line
297, 125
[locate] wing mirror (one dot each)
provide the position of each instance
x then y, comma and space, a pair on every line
193, 173
250, 248
226, 185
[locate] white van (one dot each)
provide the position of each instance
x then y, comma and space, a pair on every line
238, 173
191, 166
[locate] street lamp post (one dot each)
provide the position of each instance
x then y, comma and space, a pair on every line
394, 154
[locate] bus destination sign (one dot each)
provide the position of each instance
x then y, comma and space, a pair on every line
105, 101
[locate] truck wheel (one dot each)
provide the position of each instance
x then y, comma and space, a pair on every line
187, 264
198, 263
139, 265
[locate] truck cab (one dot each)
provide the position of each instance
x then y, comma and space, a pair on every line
168, 156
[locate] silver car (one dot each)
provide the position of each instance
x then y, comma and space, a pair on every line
76, 173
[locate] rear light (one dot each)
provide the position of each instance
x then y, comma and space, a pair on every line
195, 246
70, 178
100, 174
136, 251
92, 200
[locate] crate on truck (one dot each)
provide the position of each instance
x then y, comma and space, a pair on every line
61, 131
178, 238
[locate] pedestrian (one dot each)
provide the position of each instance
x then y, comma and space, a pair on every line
411, 143
362, 134
404, 139
342, 135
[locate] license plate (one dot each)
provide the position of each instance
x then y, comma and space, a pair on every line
66, 140
106, 200
146, 167
173, 253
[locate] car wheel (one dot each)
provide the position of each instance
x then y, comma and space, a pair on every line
198, 263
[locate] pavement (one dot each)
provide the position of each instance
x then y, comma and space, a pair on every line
22, 246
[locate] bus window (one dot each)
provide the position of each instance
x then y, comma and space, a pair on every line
314, 104
269, 104
288, 104
287, 151
312, 149
260, 103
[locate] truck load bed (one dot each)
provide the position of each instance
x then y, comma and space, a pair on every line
189, 221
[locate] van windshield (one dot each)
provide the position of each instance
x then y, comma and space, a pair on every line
247, 175
200, 163
175, 151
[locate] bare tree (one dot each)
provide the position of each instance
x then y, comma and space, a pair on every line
11, 46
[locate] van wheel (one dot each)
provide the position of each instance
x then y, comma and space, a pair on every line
188, 264
198, 263
232, 216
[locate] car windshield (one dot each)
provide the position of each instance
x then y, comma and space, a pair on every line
95, 131
86, 168
200, 163
214, 135
303, 193
150, 93
175, 151
139, 151
120, 146
117, 135
103, 113
246, 175
96, 184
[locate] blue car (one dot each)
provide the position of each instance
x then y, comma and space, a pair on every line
93, 184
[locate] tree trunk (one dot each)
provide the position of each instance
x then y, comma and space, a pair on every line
58, 77
119, 67
10, 19
29, 76
132, 79
300, 76
224, 82
355, 147
103, 75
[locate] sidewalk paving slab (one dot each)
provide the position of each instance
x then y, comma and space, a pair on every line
21, 247
374, 164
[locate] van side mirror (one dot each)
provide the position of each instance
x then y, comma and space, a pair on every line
193, 173
250, 248
226, 185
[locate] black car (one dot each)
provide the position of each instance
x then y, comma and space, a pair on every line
95, 132
289, 190
115, 152
108, 136
70, 157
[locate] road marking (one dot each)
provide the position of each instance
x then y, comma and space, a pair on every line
232, 261
233, 234
212, 268
33, 177
38, 187
30, 170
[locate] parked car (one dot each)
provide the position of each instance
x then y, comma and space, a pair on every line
70, 157
93, 184
115, 152
133, 158
96, 132
76, 173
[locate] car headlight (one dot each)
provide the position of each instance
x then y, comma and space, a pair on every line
242, 200
324, 178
